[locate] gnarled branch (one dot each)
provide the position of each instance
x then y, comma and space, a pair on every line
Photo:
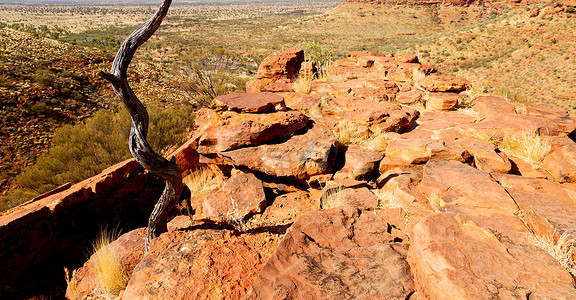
138, 144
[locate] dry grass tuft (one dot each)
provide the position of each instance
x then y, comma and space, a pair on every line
417, 75
527, 146
109, 272
303, 84
562, 251
386, 199
71, 282
349, 133
333, 198
201, 181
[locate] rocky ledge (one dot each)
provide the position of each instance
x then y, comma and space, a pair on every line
378, 180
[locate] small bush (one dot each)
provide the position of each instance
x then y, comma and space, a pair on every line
208, 74
321, 54
87, 148
333, 198
562, 250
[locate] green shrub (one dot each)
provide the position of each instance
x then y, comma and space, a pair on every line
87, 148
319, 53
208, 73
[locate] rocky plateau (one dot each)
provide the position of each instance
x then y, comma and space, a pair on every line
385, 181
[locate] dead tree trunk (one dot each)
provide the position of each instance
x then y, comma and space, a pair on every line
139, 147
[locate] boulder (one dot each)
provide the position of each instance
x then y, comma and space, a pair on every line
561, 163
353, 56
300, 157
342, 253
442, 101
359, 162
240, 130
379, 117
249, 102
486, 156
286, 209
348, 193
241, 196
448, 182
406, 58
452, 257
436, 83
282, 65
200, 264
405, 152
409, 97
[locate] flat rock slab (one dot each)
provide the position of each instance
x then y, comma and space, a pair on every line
342, 253
439, 101
454, 258
547, 206
435, 83
486, 156
378, 116
239, 130
561, 163
453, 183
360, 162
200, 264
300, 157
249, 102
241, 196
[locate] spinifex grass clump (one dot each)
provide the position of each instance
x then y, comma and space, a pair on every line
562, 250
109, 271
348, 133
527, 146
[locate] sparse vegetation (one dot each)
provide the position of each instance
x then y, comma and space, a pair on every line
111, 276
562, 250
201, 181
333, 198
103, 139
349, 133
303, 84
527, 146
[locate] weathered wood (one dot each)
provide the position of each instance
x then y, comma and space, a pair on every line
138, 144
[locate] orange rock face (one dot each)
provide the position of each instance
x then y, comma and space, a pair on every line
337, 253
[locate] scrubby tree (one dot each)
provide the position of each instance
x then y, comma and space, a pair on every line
139, 146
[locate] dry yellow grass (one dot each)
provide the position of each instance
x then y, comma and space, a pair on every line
386, 199
71, 283
562, 250
303, 84
110, 274
333, 198
527, 146
201, 181
349, 133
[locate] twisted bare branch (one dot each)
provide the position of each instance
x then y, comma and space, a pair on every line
138, 144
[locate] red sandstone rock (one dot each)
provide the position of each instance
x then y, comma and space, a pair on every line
300, 157
378, 116
405, 152
240, 130
546, 206
561, 163
348, 192
486, 156
287, 208
406, 58
399, 75
409, 97
359, 163
455, 258
200, 264
448, 182
282, 65
353, 56
308, 69
337, 253
442, 101
435, 83
249, 102
241, 196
